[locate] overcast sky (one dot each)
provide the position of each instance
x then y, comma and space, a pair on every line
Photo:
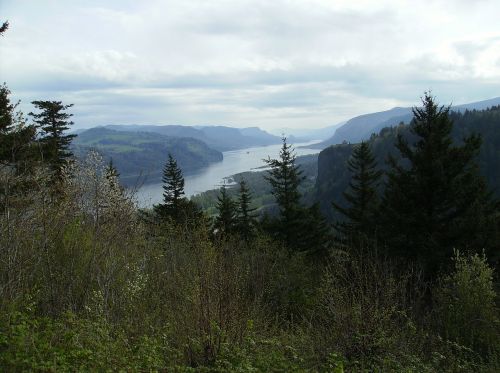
271, 63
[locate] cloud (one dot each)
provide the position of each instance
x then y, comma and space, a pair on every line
268, 63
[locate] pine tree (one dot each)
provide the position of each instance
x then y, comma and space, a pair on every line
436, 200
54, 121
173, 190
225, 222
285, 178
362, 194
245, 217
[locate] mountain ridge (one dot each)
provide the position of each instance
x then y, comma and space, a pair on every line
142, 155
221, 138
361, 127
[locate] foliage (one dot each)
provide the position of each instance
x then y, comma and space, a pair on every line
362, 195
300, 228
140, 156
466, 310
364, 310
436, 200
284, 178
245, 220
15, 136
175, 207
334, 177
4, 27
173, 189
88, 284
53, 121
225, 221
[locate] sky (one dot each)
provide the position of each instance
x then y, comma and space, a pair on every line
273, 64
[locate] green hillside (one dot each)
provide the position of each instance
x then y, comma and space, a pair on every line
333, 175
142, 155
221, 138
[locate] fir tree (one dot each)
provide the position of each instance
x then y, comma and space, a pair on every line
54, 121
225, 222
436, 200
285, 178
316, 235
173, 190
245, 219
362, 194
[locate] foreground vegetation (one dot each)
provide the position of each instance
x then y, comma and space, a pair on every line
87, 285
90, 283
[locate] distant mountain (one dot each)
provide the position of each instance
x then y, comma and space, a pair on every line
307, 134
221, 138
137, 154
362, 127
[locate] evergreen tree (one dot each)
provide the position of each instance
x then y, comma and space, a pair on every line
111, 170
54, 121
225, 222
285, 178
316, 233
173, 190
4, 27
15, 137
436, 200
245, 219
6, 124
6, 110
113, 177
362, 194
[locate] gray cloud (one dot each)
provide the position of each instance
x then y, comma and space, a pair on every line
268, 63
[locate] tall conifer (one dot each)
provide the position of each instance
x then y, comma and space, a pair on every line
362, 195
173, 190
54, 121
225, 222
245, 218
435, 200
285, 178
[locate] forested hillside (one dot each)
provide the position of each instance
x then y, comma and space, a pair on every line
333, 175
221, 138
362, 127
139, 156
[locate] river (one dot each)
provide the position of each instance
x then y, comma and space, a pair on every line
212, 177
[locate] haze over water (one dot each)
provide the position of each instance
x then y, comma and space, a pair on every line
212, 177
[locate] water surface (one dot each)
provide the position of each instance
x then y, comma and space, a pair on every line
212, 177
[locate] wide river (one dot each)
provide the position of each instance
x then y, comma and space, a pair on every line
212, 177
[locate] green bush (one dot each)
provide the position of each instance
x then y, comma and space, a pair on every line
465, 305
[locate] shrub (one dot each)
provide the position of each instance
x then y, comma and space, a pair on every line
465, 307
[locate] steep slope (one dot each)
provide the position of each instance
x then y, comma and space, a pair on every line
137, 154
333, 175
363, 126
